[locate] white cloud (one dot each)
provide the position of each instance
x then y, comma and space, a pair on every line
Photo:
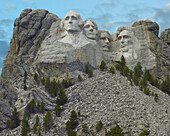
167, 7
11, 7
109, 25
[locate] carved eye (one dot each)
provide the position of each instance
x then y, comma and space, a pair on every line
126, 36
67, 18
119, 37
86, 26
74, 18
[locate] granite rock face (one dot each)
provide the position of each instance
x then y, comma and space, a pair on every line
140, 43
165, 36
110, 98
59, 49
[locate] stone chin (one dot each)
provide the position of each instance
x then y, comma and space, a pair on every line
72, 28
91, 36
105, 48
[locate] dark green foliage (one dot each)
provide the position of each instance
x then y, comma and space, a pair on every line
112, 70
118, 66
136, 80
25, 87
43, 81
86, 68
47, 84
88, 71
116, 131
32, 106
53, 88
138, 70
28, 114
148, 75
36, 124
72, 123
39, 131
36, 77
102, 65
156, 83
35, 128
99, 126
25, 75
37, 120
73, 120
61, 98
156, 97
144, 133
42, 107
84, 128
79, 78
147, 91
123, 62
143, 82
58, 111
72, 133
165, 86
14, 122
47, 121
10, 101
25, 128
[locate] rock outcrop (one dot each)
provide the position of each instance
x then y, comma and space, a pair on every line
111, 99
59, 49
165, 36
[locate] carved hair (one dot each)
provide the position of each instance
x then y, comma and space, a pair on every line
95, 25
81, 24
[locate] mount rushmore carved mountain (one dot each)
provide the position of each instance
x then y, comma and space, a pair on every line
45, 46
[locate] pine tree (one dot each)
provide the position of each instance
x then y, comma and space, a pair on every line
84, 128
25, 128
116, 131
25, 75
57, 110
42, 107
102, 65
47, 121
32, 106
43, 81
14, 119
35, 76
112, 70
138, 69
99, 126
79, 78
61, 98
123, 62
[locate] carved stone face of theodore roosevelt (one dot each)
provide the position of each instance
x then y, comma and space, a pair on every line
90, 29
72, 22
105, 40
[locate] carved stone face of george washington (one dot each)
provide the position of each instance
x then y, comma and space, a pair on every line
72, 22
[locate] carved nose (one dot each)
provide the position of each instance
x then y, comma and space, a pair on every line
91, 28
107, 40
122, 40
70, 20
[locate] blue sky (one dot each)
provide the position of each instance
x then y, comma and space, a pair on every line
108, 14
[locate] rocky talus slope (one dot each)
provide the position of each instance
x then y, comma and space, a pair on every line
111, 99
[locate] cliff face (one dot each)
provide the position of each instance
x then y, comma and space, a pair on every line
42, 44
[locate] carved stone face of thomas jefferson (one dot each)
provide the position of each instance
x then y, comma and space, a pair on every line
105, 40
72, 22
125, 39
90, 29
